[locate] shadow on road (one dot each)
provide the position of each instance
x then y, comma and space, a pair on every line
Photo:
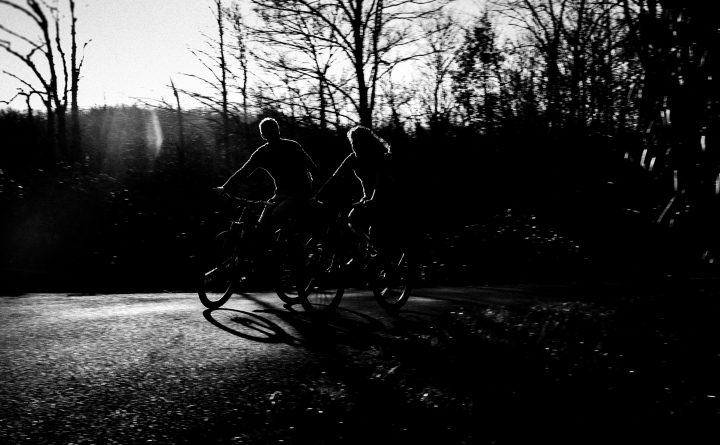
344, 327
248, 326
573, 372
354, 329
414, 374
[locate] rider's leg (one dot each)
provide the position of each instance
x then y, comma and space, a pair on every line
385, 233
283, 215
261, 237
359, 224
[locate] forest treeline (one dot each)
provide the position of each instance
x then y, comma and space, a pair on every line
540, 139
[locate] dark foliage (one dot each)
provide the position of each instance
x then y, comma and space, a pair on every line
542, 178
511, 207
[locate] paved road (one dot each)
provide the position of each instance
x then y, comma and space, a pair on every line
160, 368
451, 368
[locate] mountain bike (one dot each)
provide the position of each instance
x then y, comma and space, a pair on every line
339, 256
233, 260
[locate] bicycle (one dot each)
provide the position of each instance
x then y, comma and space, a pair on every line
231, 259
387, 269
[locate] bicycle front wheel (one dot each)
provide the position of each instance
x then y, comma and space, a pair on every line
289, 253
391, 280
220, 268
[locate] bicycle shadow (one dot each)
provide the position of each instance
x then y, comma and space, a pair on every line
257, 326
248, 326
343, 328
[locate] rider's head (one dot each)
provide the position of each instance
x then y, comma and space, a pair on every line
269, 129
365, 143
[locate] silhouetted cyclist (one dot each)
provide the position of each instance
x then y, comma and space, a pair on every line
291, 169
370, 161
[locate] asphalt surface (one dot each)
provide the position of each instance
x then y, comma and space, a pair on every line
160, 368
154, 367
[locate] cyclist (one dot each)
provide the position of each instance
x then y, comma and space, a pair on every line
288, 165
371, 163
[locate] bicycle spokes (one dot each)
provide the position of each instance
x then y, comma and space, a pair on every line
392, 280
320, 287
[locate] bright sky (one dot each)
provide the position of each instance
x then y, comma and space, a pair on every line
137, 45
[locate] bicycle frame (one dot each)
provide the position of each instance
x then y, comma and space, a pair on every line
379, 271
227, 263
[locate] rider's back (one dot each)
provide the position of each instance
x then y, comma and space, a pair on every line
288, 164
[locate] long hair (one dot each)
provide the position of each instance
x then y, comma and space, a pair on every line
365, 143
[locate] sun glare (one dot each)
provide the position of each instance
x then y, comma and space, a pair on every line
153, 133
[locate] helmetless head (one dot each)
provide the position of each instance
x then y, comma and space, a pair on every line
269, 129
365, 143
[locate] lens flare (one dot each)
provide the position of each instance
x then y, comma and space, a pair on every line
153, 133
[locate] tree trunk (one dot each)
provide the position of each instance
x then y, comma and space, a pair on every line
61, 114
364, 110
52, 146
363, 107
223, 82
181, 128
323, 106
75, 138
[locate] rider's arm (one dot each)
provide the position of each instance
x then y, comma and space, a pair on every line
310, 165
246, 170
380, 183
347, 163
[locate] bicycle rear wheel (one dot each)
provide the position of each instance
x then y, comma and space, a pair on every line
391, 279
220, 271
320, 285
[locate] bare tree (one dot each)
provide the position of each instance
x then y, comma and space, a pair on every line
214, 60
241, 52
443, 43
181, 126
372, 36
543, 22
578, 42
476, 78
51, 71
295, 49
75, 67
397, 99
